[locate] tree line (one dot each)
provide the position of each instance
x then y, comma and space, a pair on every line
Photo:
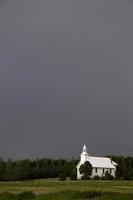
17, 170
35, 169
124, 168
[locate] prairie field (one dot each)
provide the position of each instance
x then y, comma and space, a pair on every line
52, 189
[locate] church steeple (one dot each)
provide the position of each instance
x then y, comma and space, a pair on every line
84, 154
84, 149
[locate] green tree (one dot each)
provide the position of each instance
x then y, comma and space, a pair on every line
2, 169
86, 170
73, 175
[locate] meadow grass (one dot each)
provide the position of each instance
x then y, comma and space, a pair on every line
72, 195
58, 190
52, 186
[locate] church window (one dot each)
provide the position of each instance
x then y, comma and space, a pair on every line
96, 170
103, 170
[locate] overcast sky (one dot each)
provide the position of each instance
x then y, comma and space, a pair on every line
66, 77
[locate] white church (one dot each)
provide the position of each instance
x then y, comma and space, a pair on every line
100, 165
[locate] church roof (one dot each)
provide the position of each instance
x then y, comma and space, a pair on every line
101, 162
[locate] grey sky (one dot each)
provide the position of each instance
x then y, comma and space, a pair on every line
66, 71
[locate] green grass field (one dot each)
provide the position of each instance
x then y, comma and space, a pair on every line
57, 190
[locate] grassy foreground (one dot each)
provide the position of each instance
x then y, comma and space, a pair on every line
57, 190
67, 196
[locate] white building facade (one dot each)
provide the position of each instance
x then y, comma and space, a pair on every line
100, 165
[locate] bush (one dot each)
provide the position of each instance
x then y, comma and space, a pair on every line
26, 196
73, 175
7, 196
62, 177
96, 178
86, 177
93, 194
107, 176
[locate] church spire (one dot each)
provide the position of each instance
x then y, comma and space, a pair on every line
84, 155
84, 149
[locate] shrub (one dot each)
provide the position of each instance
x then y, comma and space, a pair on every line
26, 196
21, 196
96, 178
93, 194
73, 175
62, 177
107, 176
86, 177
7, 196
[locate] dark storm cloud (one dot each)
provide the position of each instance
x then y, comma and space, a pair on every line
65, 77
